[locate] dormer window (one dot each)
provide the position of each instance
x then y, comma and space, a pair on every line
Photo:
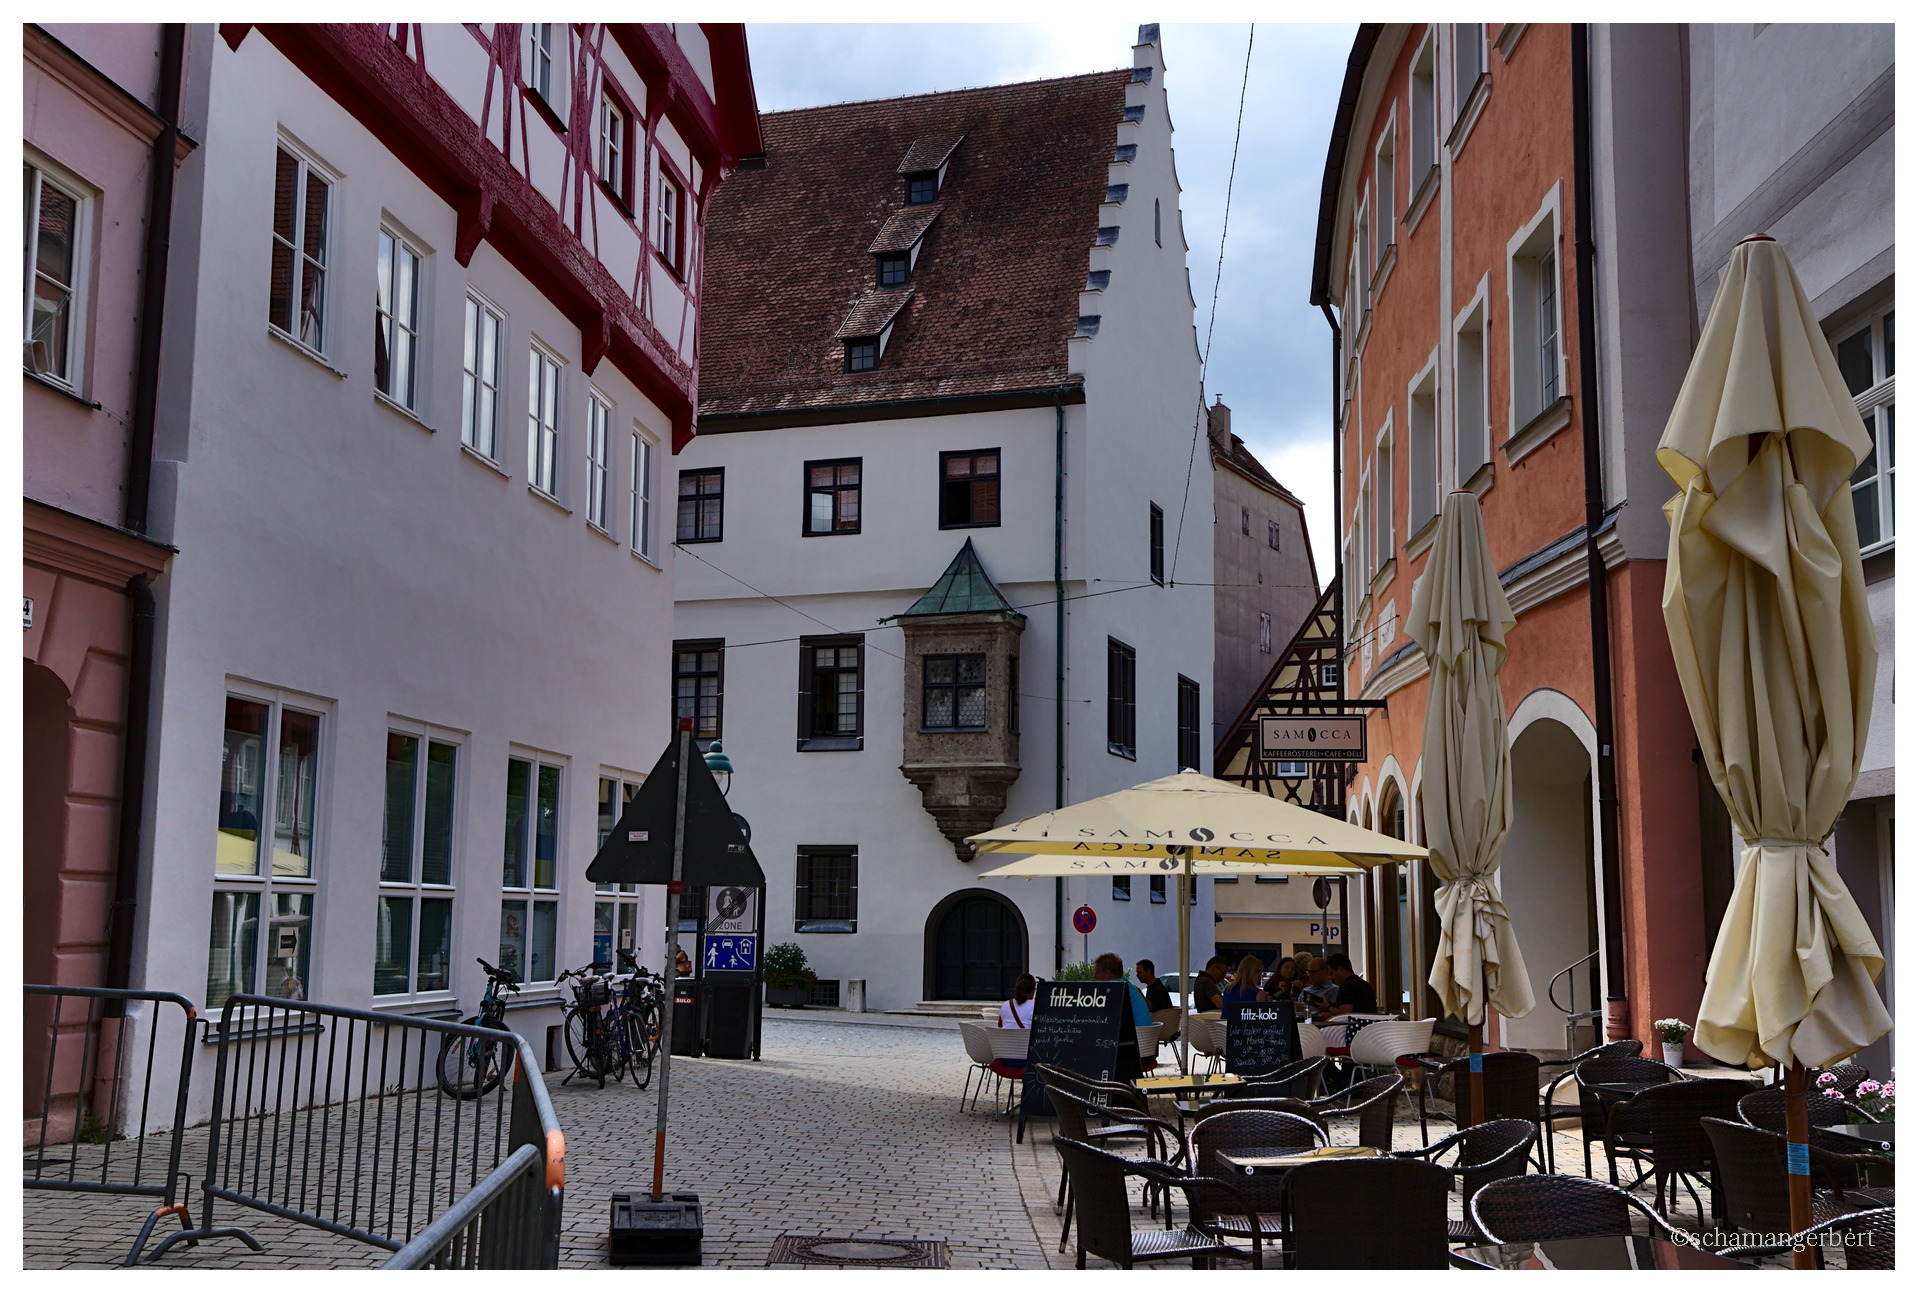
923, 187
863, 354
895, 268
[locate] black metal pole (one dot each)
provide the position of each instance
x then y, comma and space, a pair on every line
674, 890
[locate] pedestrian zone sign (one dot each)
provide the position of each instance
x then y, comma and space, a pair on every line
731, 954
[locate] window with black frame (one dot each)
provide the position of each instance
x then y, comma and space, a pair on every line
1120, 699
702, 493
970, 488
826, 889
830, 694
1189, 724
833, 497
1156, 544
953, 691
697, 681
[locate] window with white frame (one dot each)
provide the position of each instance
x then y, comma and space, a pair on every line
640, 518
396, 331
56, 237
616, 905
1533, 315
1470, 433
261, 939
599, 418
668, 220
1266, 632
1362, 257
480, 381
1383, 495
610, 160
413, 914
543, 418
1383, 194
1363, 522
1423, 455
1422, 118
302, 209
530, 871
1469, 64
539, 59
1866, 363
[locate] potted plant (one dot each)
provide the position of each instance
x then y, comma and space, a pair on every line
1871, 1096
787, 976
1673, 1038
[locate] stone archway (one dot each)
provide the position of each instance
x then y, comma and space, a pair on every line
976, 946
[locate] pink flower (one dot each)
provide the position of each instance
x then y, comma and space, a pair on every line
1831, 1093
1886, 1091
1869, 1087
1826, 1078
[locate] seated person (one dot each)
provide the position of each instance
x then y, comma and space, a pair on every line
1108, 967
1353, 994
1320, 991
1206, 990
1246, 982
1280, 984
1157, 995
1017, 1012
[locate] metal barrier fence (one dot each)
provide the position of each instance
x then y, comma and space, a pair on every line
371, 1126
96, 1102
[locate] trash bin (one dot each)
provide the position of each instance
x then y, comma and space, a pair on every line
686, 1018
729, 1019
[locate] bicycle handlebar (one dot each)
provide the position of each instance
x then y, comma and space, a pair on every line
496, 974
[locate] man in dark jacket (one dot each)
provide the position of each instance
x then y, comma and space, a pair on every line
1157, 994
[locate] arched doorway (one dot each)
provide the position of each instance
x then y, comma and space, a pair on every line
1547, 876
1396, 977
976, 946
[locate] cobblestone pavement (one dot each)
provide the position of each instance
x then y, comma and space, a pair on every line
844, 1129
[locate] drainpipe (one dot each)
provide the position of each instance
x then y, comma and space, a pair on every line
1597, 602
1059, 657
146, 389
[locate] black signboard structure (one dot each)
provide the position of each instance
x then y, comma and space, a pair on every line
1261, 1038
1081, 1026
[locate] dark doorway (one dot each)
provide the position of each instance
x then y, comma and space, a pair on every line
976, 947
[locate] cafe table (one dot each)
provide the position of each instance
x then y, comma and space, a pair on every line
1611, 1252
1878, 1136
1259, 1160
1175, 1085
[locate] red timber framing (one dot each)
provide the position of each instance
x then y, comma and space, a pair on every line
383, 83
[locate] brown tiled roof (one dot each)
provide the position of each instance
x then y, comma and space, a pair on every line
928, 152
873, 312
997, 286
1242, 460
903, 229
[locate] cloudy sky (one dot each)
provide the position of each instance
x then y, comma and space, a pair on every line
1269, 353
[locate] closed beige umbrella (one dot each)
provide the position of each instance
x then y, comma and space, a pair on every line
1460, 618
1766, 607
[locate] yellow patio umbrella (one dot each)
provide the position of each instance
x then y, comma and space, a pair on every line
1766, 608
1460, 618
1189, 826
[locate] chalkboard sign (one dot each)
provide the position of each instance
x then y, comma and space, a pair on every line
1261, 1038
1077, 1026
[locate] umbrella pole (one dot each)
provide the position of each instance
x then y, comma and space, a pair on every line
1185, 990
1799, 1180
1476, 1085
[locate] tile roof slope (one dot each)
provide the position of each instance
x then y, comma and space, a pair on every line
963, 587
1242, 460
997, 288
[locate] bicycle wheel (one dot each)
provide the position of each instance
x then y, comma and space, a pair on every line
470, 1068
640, 1050
584, 1045
649, 1010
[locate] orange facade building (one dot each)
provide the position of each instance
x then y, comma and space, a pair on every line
1462, 196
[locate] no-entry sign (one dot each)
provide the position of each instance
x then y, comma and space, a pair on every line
1083, 920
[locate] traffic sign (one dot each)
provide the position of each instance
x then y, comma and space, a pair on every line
1083, 920
730, 954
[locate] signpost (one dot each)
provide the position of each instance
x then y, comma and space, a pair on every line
1261, 1038
1079, 1026
1313, 737
1084, 920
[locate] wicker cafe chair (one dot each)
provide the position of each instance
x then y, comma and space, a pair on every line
1482, 1154
1159, 1140
1847, 1075
1103, 1220
1751, 1168
1292, 1106
1509, 1089
973, 1038
1368, 1212
1767, 1109
1641, 1073
1274, 1133
1673, 1145
1551, 1111
1540, 1208
1864, 1237
1371, 1101
1297, 1080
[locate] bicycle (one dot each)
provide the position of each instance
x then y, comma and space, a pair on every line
472, 1068
643, 1009
592, 1026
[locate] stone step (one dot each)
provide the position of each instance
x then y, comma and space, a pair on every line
957, 1008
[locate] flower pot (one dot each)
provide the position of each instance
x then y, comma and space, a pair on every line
1670, 1051
786, 996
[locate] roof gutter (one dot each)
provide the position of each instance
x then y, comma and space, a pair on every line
1597, 598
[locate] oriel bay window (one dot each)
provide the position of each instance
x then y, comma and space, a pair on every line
954, 691
530, 871
833, 498
830, 695
616, 905
826, 889
413, 915
268, 768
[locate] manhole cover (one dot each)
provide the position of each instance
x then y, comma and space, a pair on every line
872, 1253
